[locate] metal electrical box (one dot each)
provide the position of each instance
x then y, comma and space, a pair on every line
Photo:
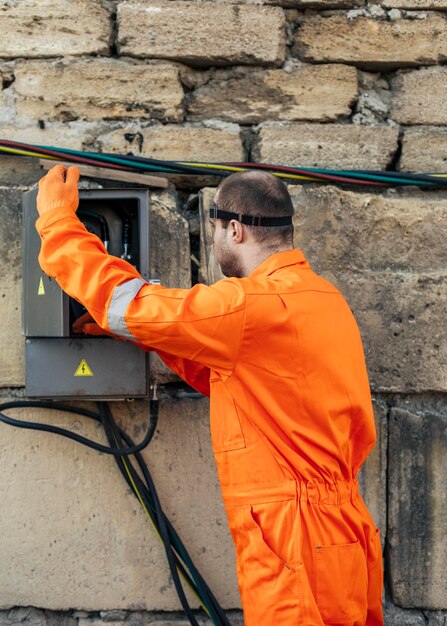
60, 364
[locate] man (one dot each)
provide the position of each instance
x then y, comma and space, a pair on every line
278, 351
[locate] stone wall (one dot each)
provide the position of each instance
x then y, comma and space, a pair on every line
317, 83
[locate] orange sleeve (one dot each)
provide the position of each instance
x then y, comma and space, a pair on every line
202, 324
195, 374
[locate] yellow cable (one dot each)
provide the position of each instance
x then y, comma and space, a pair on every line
28, 153
156, 530
209, 166
232, 168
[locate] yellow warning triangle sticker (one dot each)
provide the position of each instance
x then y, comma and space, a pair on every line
83, 369
41, 290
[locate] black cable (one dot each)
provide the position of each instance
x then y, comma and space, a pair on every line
114, 436
174, 539
67, 433
174, 548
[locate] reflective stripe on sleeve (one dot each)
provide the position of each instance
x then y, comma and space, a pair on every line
122, 296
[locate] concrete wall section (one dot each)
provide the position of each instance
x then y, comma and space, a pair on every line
77, 535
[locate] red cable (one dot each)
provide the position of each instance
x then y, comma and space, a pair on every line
65, 157
291, 170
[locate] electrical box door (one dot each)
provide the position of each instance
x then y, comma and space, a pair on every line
60, 364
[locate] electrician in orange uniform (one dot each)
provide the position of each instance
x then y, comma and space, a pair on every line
277, 350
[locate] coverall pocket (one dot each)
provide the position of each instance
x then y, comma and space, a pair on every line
271, 582
225, 424
341, 582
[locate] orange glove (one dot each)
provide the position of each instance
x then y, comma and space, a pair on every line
87, 325
58, 189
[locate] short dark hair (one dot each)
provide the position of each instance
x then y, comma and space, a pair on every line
254, 192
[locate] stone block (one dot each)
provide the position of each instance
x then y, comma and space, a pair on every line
169, 252
206, 33
417, 509
11, 341
28, 615
82, 540
401, 317
437, 618
332, 146
94, 89
300, 92
51, 28
415, 4
395, 616
177, 143
424, 150
113, 615
17, 170
7, 104
209, 270
344, 230
419, 96
373, 44
12, 356
314, 4
372, 475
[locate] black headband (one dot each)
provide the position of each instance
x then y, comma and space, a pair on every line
250, 220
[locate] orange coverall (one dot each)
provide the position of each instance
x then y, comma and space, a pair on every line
279, 354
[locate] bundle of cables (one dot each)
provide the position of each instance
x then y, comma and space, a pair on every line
130, 163
142, 485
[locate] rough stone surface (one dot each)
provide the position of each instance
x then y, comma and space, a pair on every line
312, 4
172, 142
303, 92
170, 256
202, 33
372, 475
209, 270
26, 171
371, 43
415, 4
424, 150
78, 505
11, 341
344, 230
113, 616
32, 617
395, 616
98, 88
373, 103
419, 96
417, 509
437, 618
336, 146
401, 317
49, 29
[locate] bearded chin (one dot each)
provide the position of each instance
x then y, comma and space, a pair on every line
231, 265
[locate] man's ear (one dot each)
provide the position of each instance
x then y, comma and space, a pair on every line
236, 231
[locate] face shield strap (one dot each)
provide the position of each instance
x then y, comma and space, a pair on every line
249, 220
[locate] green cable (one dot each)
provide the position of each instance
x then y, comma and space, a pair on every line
107, 158
373, 177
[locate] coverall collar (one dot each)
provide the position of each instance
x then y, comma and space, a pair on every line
278, 261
